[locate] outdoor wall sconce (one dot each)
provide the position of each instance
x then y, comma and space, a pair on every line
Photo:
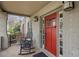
35, 18
68, 5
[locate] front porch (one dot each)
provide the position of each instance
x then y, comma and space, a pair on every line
14, 51
53, 29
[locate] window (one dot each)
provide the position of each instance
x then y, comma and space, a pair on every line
61, 51
51, 23
61, 15
60, 32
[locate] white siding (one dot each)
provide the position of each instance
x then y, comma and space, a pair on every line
71, 32
36, 33
3, 29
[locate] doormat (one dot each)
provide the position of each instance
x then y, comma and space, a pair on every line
41, 54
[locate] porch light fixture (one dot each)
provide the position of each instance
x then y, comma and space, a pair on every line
36, 18
68, 5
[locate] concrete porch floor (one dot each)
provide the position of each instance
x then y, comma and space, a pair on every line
13, 51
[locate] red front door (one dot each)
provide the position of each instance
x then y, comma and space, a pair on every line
50, 33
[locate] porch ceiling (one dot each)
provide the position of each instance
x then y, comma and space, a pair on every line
23, 7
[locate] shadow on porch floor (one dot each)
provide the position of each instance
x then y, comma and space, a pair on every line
13, 51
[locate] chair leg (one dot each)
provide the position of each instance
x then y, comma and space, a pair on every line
20, 51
